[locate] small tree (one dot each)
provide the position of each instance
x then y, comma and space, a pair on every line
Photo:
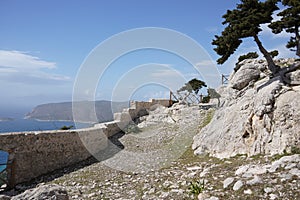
290, 22
243, 22
193, 85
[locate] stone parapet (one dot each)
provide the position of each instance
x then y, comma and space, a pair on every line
32, 154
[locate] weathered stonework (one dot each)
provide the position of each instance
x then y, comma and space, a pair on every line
35, 153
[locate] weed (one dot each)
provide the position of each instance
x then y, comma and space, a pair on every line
197, 187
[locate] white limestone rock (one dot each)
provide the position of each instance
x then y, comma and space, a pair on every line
238, 185
247, 73
227, 182
44, 192
260, 118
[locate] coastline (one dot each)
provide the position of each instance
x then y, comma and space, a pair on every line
22, 125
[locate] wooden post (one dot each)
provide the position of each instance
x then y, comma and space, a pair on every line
170, 99
222, 79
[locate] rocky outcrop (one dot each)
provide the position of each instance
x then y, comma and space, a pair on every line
44, 192
244, 75
51, 191
258, 114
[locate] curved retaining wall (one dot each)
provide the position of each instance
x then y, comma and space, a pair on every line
35, 153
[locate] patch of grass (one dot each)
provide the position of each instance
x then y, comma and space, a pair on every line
197, 187
208, 118
293, 150
256, 157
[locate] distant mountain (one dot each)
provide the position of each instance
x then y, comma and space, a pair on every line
3, 119
84, 111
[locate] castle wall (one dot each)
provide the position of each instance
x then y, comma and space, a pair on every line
35, 153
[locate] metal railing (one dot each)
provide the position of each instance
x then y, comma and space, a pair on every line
225, 79
187, 98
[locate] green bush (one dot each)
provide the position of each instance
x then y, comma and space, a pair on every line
250, 55
66, 127
206, 99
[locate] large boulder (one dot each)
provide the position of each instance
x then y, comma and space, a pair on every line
293, 77
261, 119
44, 192
248, 72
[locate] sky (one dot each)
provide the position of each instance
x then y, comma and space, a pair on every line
45, 45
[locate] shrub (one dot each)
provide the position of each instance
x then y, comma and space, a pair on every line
66, 127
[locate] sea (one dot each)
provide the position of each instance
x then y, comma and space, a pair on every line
21, 124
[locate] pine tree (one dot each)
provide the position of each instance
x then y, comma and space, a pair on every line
244, 22
290, 22
193, 85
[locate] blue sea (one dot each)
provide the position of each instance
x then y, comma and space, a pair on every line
19, 124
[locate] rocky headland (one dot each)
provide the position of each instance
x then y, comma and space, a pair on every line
247, 148
63, 111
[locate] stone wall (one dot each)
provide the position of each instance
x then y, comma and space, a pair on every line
35, 153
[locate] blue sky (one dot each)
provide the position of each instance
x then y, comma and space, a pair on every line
44, 43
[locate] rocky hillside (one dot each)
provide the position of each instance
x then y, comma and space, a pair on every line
184, 176
254, 134
258, 114
63, 111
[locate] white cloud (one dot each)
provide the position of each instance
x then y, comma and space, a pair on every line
23, 61
206, 63
17, 66
266, 31
165, 73
285, 52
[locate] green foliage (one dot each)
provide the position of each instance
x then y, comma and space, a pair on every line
193, 85
243, 22
295, 150
66, 127
206, 99
250, 55
274, 53
197, 187
290, 22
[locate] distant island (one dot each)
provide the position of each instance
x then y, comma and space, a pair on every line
63, 111
4, 119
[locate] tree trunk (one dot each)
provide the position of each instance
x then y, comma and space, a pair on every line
273, 68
